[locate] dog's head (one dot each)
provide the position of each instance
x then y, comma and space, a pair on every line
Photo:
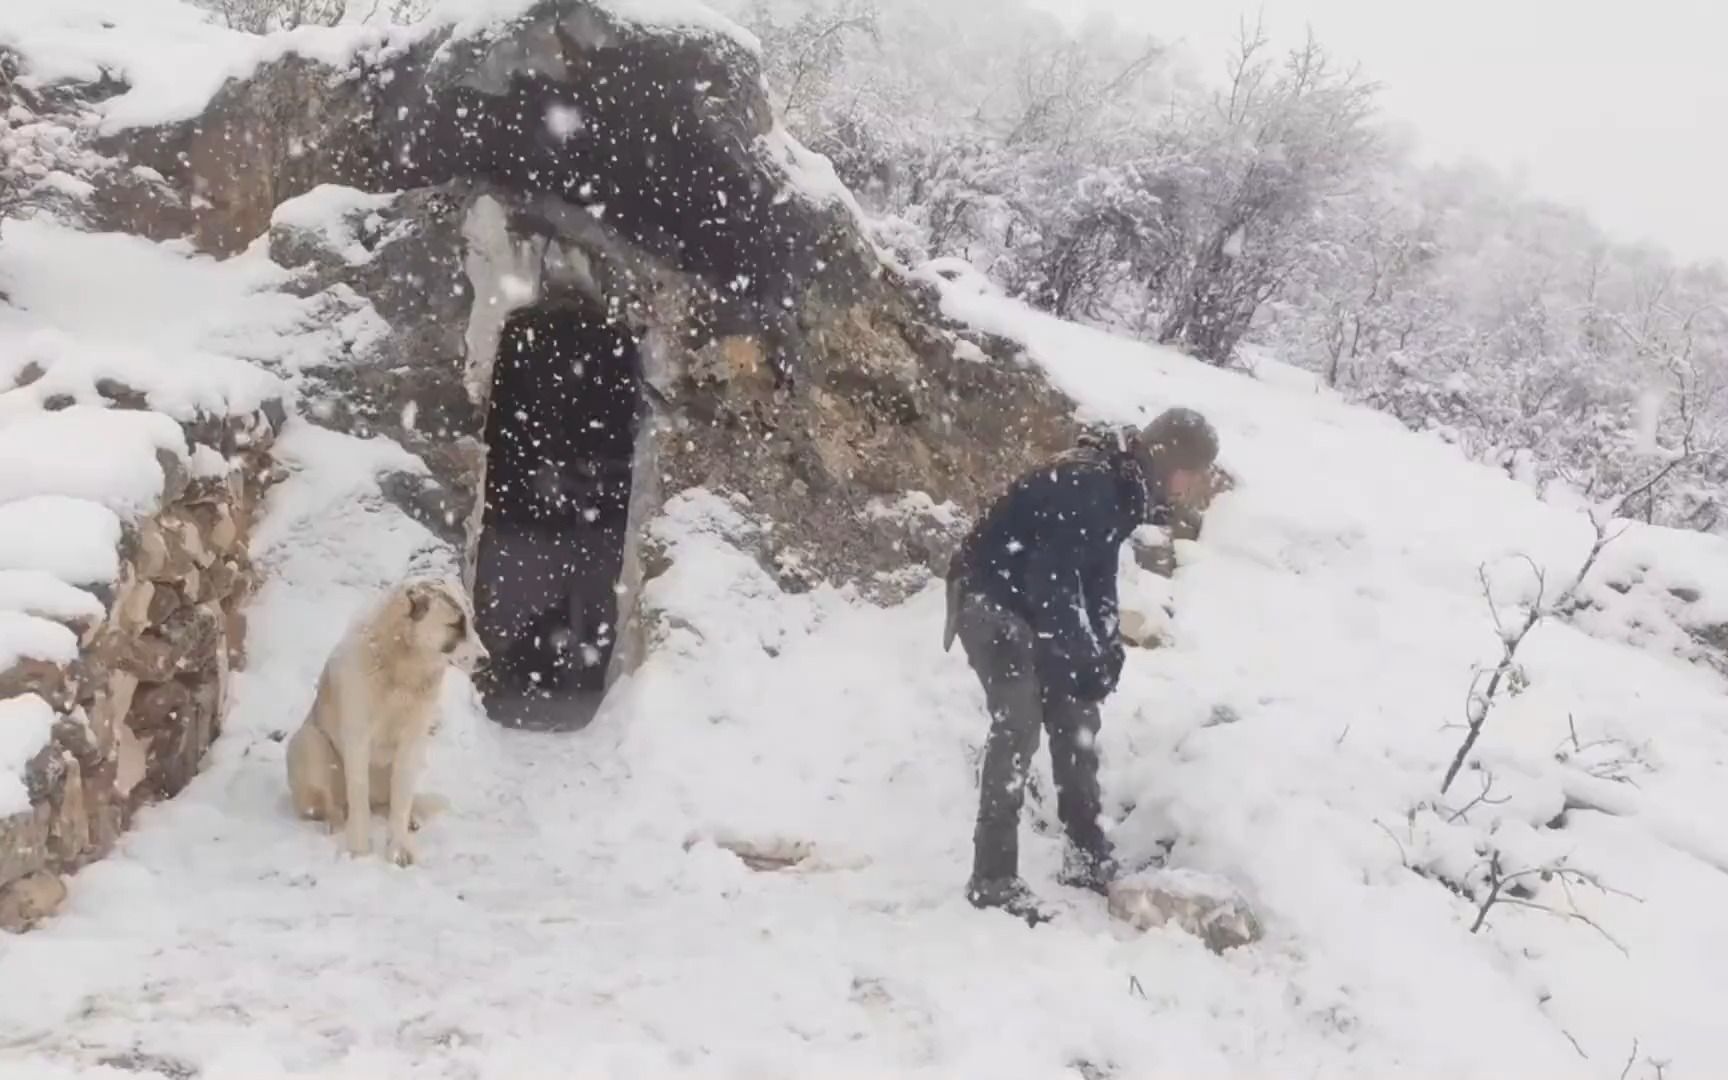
442, 621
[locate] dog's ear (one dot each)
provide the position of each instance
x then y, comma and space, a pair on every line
419, 601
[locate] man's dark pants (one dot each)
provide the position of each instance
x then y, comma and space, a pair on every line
1000, 647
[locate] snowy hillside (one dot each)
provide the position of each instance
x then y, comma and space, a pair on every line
573, 907
577, 911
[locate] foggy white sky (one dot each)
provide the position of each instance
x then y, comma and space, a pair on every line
1618, 106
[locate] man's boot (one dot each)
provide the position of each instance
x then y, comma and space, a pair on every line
1010, 895
1090, 870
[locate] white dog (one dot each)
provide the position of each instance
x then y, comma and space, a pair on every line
363, 743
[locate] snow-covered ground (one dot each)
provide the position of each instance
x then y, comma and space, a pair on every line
573, 913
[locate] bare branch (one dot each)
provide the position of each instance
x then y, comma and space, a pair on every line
1403, 856
1480, 800
1630, 1058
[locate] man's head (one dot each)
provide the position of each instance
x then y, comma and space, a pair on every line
1178, 449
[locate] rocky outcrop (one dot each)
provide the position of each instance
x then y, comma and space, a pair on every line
574, 160
137, 706
1207, 907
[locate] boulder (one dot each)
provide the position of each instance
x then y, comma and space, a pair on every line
1205, 906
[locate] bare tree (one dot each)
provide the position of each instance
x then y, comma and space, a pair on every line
265, 16
1289, 136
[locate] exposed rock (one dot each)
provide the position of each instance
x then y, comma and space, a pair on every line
142, 702
1139, 630
1202, 905
780, 359
29, 899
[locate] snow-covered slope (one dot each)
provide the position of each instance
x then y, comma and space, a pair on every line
574, 915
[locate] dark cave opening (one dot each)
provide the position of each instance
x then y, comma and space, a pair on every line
560, 440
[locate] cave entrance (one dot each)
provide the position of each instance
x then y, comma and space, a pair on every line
560, 439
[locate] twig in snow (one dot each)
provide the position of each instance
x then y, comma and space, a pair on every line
1403, 856
1478, 705
1630, 1058
1135, 988
1498, 882
1479, 800
1339, 741
1575, 1045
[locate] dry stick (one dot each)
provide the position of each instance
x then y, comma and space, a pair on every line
1630, 1058
1498, 881
1495, 881
1480, 800
1403, 856
1476, 711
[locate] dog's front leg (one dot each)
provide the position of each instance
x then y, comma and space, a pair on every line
404, 773
357, 775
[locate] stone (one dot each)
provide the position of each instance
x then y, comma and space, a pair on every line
23, 843
159, 708
31, 899
130, 759
165, 601
130, 614
221, 581
150, 550
69, 825
1200, 904
112, 703
186, 546
224, 534
175, 476
150, 658
28, 374
1139, 630
54, 684
234, 632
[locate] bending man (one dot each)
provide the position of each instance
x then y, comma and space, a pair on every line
1032, 597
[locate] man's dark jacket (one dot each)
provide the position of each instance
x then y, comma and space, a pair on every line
1047, 550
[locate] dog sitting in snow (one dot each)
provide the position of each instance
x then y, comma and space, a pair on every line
363, 743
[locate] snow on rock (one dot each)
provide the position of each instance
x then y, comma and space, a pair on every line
171, 56
179, 329
108, 456
914, 506
339, 219
809, 173
74, 540
470, 17
26, 723
1200, 904
31, 637
36, 593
